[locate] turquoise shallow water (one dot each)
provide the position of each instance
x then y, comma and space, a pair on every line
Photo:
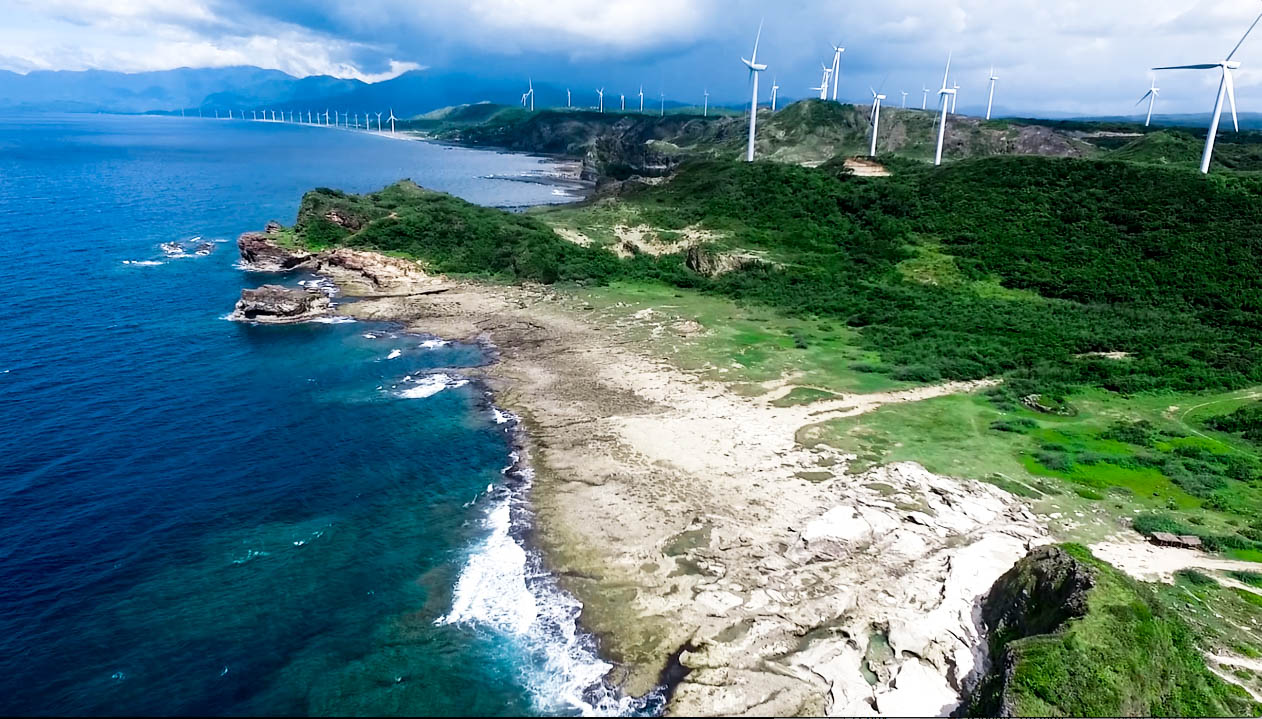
204, 517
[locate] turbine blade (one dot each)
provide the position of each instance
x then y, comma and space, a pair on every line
1206, 66
947, 74
1145, 97
1231, 95
1246, 35
754, 58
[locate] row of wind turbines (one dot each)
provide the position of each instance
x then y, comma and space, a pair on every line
528, 100
947, 97
949, 92
339, 119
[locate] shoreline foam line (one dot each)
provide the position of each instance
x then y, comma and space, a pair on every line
506, 586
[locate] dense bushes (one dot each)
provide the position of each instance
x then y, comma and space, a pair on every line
1245, 421
1153, 262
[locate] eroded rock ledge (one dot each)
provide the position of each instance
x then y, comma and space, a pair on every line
273, 304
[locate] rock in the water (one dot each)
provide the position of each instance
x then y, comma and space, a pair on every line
260, 252
274, 304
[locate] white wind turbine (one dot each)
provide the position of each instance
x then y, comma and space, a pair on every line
837, 50
623, 98
357, 121
1225, 86
601, 92
530, 95
754, 69
875, 119
956, 87
705, 109
991, 99
254, 114
904, 98
924, 101
823, 85
567, 97
775, 88
663, 113
392, 118
379, 122
944, 95
641, 99
1151, 97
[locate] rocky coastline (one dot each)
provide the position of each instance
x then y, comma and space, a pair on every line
676, 512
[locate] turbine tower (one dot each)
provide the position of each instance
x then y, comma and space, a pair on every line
754, 69
945, 95
1225, 86
775, 88
837, 50
705, 109
641, 99
531, 94
954, 96
567, 97
876, 119
379, 122
663, 113
601, 92
990, 101
392, 118
623, 99
1151, 97
823, 85
924, 101
904, 98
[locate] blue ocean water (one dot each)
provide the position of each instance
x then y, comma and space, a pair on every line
205, 517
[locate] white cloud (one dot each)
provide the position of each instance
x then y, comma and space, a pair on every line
1086, 56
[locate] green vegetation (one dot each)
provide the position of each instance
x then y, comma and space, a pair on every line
1245, 421
1103, 646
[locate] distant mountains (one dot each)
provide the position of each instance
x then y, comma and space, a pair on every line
410, 94
252, 88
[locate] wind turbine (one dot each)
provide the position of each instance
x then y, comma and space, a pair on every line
837, 50
623, 98
392, 118
876, 118
531, 94
924, 101
641, 99
754, 69
601, 92
567, 97
823, 85
774, 89
944, 95
991, 100
904, 98
1151, 97
379, 122
663, 113
955, 96
1225, 86
705, 109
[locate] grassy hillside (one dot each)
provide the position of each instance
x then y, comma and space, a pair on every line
1086, 640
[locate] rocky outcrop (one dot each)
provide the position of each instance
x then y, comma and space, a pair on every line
357, 272
273, 304
705, 260
1037, 596
260, 251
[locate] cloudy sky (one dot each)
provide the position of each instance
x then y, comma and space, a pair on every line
1073, 56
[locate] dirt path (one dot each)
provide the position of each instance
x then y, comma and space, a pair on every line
1150, 563
673, 508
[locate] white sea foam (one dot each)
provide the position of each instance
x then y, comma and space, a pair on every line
433, 344
430, 385
369, 336
394, 354
505, 587
320, 284
502, 416
333, 320
144, 263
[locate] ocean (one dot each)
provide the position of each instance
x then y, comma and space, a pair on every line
204, 517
